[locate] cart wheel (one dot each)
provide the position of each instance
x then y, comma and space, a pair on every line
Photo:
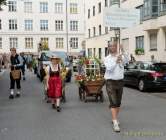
101, 97
85, 97
80, 93
96, 98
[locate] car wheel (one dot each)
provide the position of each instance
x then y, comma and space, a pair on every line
141, 85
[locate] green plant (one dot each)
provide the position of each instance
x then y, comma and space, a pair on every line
45, 46
139, 51
2, 2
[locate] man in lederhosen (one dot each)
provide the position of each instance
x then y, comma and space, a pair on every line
114, 75
16, 63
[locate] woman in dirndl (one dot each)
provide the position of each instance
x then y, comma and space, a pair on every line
54, 83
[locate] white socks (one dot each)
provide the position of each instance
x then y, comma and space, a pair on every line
12, 92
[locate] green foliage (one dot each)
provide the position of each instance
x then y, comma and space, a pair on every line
139, 51
44, 46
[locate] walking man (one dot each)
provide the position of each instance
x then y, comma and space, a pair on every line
16, 64
114, 75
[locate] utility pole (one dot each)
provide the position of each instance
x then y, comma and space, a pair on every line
67, 33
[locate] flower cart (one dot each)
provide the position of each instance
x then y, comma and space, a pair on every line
91, 83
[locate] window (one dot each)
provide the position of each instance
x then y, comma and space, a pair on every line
12, 5
43, 7
99, 6
88, 13
0, 24
106, 30
74, 43
89, 33
99, 29
28, 7
12, 24
94, 52
43, 25
99, 53
28, 43
59, 25
151, 8
141, 13
0, 43
59, 43
94, 31
93, 10
74, 25
106, 3
13, 42
155, 6
139, 42
58, 7
28, 25
153, 41
90, 52
147, 8
112, 2
162, 5
73, 8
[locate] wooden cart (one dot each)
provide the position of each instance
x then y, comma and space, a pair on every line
94, 89
91, 87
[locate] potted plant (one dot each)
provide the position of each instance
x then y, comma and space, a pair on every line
139, 51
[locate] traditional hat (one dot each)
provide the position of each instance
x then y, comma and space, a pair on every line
12, 49
55, 57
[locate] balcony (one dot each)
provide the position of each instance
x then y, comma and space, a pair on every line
163, 9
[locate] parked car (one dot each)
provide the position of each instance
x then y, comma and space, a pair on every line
44, 60
146, 75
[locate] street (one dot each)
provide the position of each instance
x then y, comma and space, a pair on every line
143, 115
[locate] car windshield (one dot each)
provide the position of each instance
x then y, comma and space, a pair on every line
45, 56
160, 67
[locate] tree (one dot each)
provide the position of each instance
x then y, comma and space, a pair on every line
2, 2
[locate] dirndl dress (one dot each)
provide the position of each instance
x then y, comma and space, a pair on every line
55, 85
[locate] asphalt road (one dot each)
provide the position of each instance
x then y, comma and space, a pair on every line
143, 116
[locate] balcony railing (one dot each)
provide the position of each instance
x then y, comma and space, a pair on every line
163, 9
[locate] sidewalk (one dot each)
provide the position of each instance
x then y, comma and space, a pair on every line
2, 72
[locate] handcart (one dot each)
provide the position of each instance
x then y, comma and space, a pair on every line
94, 89
91, 83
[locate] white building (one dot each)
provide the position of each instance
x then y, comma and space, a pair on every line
97, 35
25, 23
149, 35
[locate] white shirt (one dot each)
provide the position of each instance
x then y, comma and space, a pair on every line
114, 70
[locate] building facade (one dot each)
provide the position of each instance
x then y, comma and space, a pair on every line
97, 36
150, 35
26, 23
143, 40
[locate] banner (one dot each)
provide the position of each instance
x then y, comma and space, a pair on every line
119, 17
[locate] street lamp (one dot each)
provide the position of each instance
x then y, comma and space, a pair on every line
70, 42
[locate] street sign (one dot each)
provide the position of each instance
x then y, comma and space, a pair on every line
120, 17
